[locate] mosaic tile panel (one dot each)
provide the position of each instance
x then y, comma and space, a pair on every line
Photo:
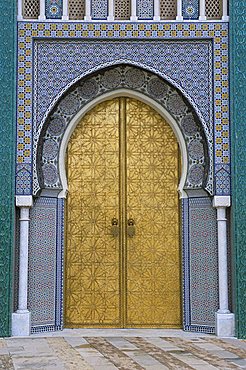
222, 180
200, 259
145, 9
99, 9
168, 9
23, 179
238, 106
217, 32
44, 264
76, 9
31, 9
122, 9
53, 9
7, 145
190, 9
187, 64
214, 9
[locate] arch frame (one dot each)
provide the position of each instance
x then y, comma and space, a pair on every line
195, 142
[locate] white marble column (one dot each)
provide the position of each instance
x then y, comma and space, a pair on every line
224, 319
179, 11
134, 11
202, 7
87, 10
42, 16
157, 10
21, 319
225, 16
20, 10
110, 10
65, 10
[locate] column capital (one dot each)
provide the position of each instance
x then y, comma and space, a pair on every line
24, 201
222, 201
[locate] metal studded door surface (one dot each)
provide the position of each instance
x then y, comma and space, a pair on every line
122, 254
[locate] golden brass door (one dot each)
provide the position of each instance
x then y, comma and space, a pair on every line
122, 252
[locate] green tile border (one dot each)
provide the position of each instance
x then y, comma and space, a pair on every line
238, 141
7, 145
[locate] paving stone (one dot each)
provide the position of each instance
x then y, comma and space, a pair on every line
163, 344
76, 341
225, 354
208, 346
34, 362
240, 362
121, 343
15, 350
194, 362
96, 361
144, 360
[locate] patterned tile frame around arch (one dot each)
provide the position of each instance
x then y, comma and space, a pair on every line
28, 32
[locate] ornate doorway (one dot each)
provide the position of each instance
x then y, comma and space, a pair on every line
123, 249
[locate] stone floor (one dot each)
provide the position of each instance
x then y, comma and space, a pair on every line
124, 349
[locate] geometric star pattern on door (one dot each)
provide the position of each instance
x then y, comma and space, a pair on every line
115, 281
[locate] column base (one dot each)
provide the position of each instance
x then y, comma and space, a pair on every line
21, 324
225, 18
42, 18
224, 324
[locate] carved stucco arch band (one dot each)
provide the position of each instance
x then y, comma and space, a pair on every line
195, 143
